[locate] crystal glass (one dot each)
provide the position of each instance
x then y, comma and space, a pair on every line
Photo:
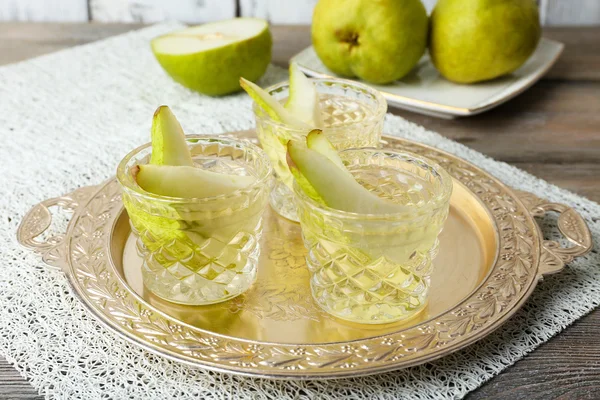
352, 116
376, 268
200, 251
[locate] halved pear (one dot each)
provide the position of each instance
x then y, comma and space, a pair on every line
316, 140
333, 185
271, 106
211, 58
303, 100
188, 182
168, 140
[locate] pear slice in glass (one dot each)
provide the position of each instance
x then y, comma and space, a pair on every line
271, 106
334, 185
188, 182
303, 99
316, 140
168, 140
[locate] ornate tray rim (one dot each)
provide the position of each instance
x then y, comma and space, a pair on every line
83, 253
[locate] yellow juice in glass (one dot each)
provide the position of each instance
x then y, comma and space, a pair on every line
200, 251
376, 268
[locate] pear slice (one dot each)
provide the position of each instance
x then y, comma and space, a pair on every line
168, 140
303, 100
271, 106
298, 176
187, 182
333, 185
316, 140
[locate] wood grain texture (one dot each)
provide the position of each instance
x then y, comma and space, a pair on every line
44, 10
147, 11
581, 57
552, 130
20, 41
279, 11
13, 386
572, 12
289, 11
567, 367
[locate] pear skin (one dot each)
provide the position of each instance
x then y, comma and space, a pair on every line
478, 40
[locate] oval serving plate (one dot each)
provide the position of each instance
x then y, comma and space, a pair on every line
491, 257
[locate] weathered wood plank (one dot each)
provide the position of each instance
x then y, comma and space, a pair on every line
147, 11
20, 41
580, 178
288, 11
572, 12
13, 386
567, 367
553, 122
429, 4
279, 11
44, 10
581, 57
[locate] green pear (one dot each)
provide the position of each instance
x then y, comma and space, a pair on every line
168, 140
211, 58
303, 99
377, 41
270, 105
188, 182
478, 40
324, 180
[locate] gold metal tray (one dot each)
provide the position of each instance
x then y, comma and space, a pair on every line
492, 255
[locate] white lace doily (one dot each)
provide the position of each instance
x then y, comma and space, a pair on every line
69, 117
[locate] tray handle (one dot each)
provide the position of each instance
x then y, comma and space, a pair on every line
570, 223
39, 219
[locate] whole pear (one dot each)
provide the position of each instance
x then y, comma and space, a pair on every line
477, 40
376, 40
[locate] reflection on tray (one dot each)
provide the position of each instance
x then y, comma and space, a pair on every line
279, 306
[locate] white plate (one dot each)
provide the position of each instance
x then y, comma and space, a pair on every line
426, 92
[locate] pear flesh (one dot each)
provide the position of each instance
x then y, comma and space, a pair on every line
188, 182
335, 186
303, 100
168, 140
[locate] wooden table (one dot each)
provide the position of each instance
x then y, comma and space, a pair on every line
552, 130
